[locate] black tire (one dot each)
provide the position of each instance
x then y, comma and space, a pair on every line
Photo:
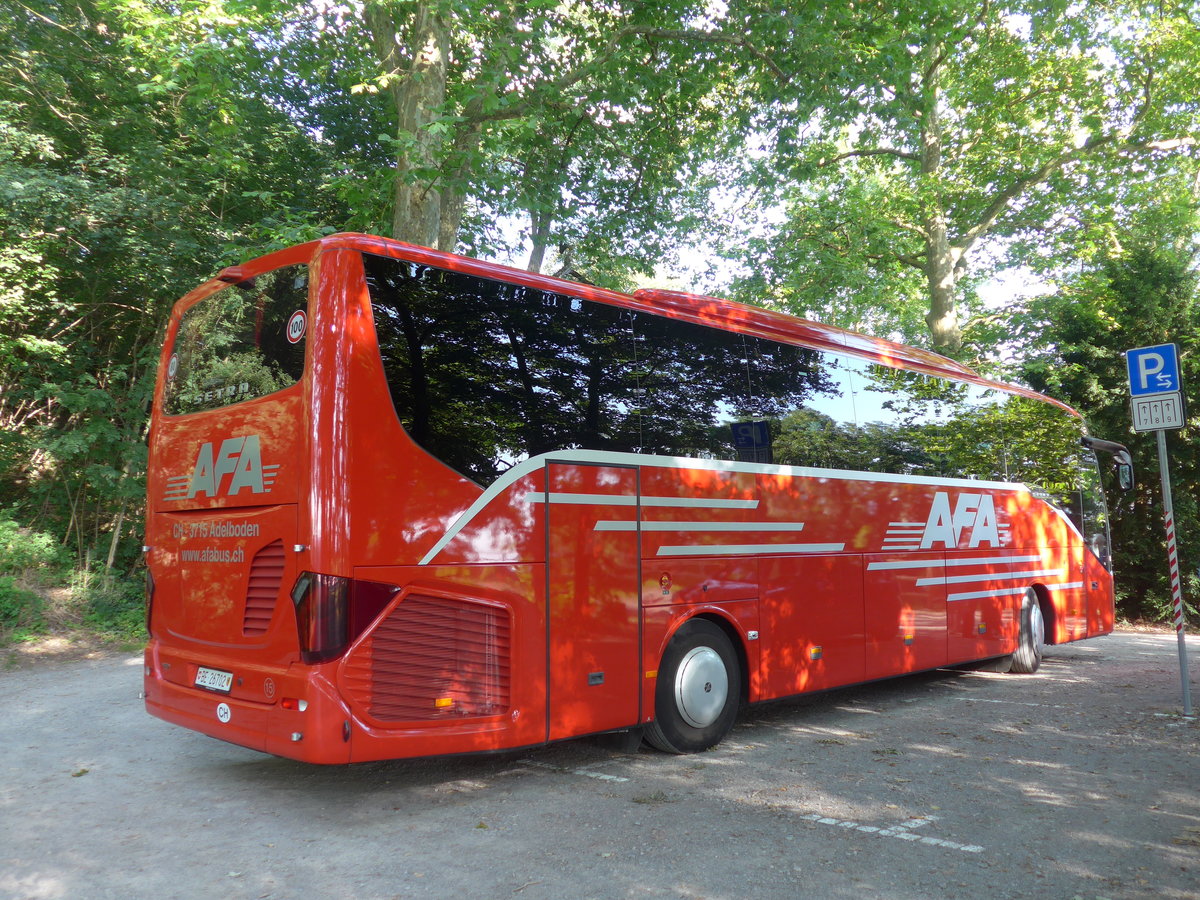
698, 690
1028, 655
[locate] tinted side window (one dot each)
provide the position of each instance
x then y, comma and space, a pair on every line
484, 374
930, 426
1095, 512
907, 422
808, 397
692, 383
1043, 451
244, 341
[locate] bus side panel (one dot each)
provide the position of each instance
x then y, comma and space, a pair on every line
905, 612
813, 623
1071, 601
1099, 584
592, 639
983, 599
510, 528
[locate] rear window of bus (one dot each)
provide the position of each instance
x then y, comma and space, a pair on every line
241, 343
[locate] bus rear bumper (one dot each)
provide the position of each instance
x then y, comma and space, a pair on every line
305, 721
306, 718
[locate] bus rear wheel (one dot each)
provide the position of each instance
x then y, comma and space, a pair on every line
698, 690
1028, 655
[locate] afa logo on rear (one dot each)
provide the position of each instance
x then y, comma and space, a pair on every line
225, 472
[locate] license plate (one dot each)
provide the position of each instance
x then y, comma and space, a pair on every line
214, 679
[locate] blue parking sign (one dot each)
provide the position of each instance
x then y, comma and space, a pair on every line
1153, 370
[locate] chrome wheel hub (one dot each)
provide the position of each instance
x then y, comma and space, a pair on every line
1037, 624
701, 687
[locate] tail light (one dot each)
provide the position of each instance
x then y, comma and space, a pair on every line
149, 598
331, 611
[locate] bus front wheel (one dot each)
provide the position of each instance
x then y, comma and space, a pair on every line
1028, 655
698, 689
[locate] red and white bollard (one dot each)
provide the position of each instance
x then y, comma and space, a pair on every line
1173, 564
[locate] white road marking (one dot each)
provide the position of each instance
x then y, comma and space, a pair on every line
581, 770
1010, 702
902, 831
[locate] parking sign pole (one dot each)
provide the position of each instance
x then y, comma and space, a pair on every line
1156, 396
1173, 566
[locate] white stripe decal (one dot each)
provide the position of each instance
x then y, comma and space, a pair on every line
977, 595
747, 549
632, 500
605, 525
584, 499
1006, 576
606, 457
1008, 592
938, 563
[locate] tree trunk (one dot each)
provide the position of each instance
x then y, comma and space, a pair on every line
454, 195
539, 236
941, 260
116, 538
940, 275
418, 91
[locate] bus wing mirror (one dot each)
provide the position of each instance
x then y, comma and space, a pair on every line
1124, 471
1121, 457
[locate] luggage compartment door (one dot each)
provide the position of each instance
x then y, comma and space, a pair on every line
594, 618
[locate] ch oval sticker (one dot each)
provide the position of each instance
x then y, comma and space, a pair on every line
223, 712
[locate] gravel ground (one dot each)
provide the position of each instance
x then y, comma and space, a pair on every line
1078, 782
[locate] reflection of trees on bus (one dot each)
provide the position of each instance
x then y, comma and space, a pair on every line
485, 373
928, 426
233, 345
806, 437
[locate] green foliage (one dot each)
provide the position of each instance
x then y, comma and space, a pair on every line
113, 606
1142, 292
955, 135
20, 609
27, 552
28, 560
135, 158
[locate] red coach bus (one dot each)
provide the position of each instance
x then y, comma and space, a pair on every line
404, 503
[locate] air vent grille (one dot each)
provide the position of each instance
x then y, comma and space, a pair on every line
434, 658
266, 573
